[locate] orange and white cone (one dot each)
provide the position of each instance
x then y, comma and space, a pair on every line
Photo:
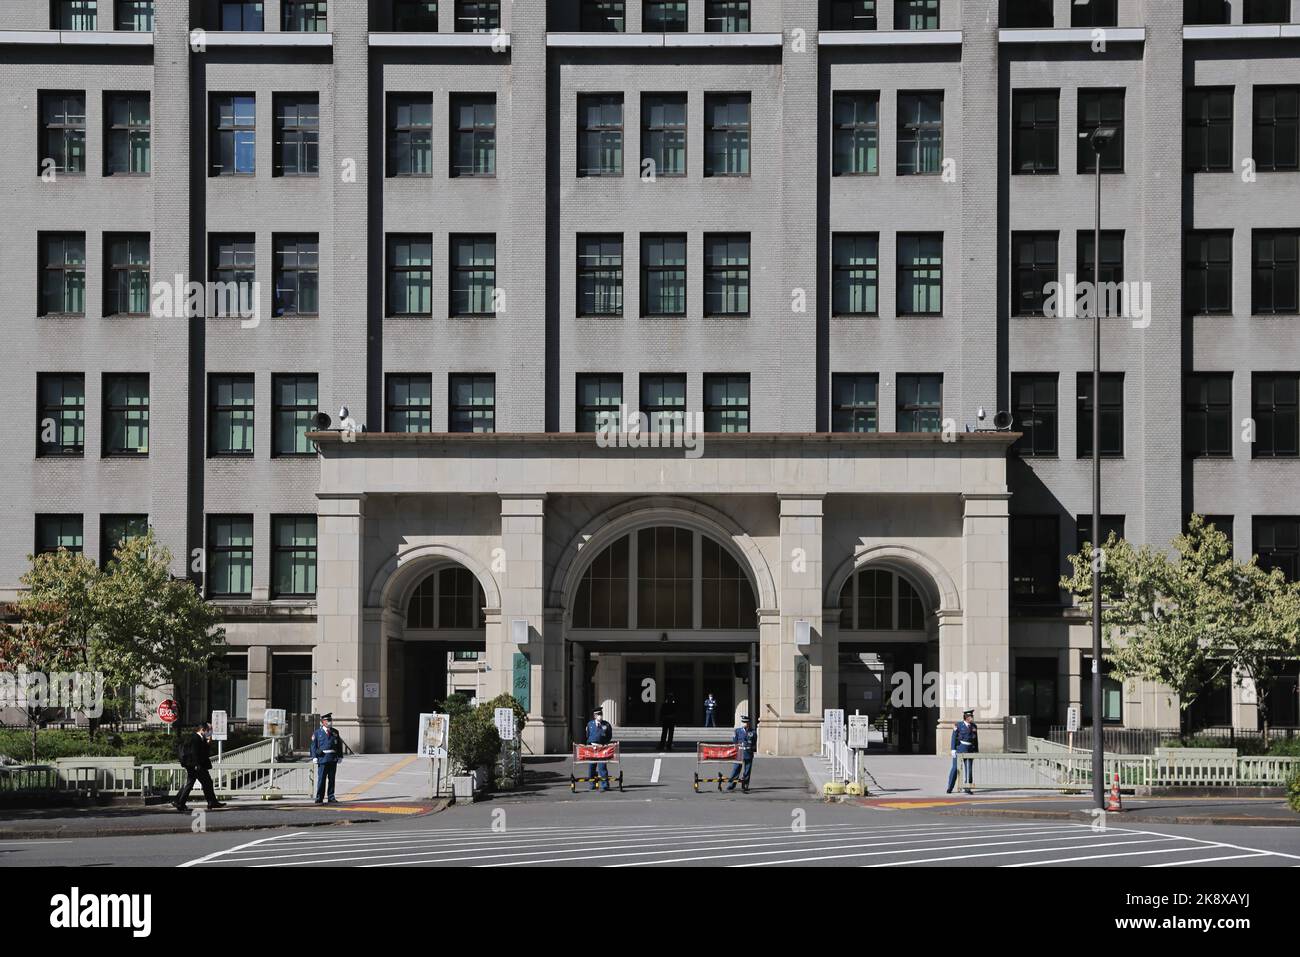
1113, 802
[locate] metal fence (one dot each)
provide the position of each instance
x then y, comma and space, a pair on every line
1146, 740
159, 780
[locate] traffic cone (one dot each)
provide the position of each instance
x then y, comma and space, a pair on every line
1113, 802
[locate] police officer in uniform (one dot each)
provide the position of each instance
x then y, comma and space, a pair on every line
746, 740
965, 740
327, 752
599, 732
710, 704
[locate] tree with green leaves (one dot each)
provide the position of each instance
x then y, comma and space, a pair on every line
1265, 632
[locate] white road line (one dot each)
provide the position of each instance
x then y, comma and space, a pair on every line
1035, 850
39, 841
1209, 843
1098, 857
216, 854
1207, 860
654, 775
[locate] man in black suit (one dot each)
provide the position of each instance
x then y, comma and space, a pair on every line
195, 760
667, 722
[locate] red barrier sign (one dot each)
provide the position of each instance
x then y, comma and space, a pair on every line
595, 752
719, 752
169, 711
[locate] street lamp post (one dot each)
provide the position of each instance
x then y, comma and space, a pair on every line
1098, 139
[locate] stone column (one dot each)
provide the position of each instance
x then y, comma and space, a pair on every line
259, 682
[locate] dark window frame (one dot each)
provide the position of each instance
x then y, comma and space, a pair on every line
465, 279
1031, 277
1277, 420
907, 274
1271, 292
729, 12
480, 137
215, 553
599, 279
62, 119
392, 242
907, 12
65, 414
727, 284
113, 412
660, 414
672, 23
235, 413
728, 144
1029, 583
1112, 409
119, 273
474, 411
235, 130
855, 136
306, 263
392, 409
1043, 132
60, 519
113, 132
1201, 264
414, 139
1206, 128
293, 553
845, 272
729, 410
910, 407
302, 416
1207, 415
650, 269
296, 133
915, 132
1038, 419
607, 385
656, 137
847, 408
65, 274
295, 14
478, 16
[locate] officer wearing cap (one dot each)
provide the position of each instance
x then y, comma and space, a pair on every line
599, 732
965, 740
327, 752
746, 740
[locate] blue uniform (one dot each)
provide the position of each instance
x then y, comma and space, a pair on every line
709, 705
965, 740
599, 732
746, 740
326, 751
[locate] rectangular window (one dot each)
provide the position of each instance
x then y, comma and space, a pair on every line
473, 403
230, 415
75, 15
853, 15
415, 16
126, 273
726, 134
294, 402
1207, 414
1208, 12
297, 134
410, 275
127, 135
63, 274
242, 15
727, 16
600, 275
1035, 413
1036, 132
855, 402
1277, 129
1207, 137
135, 15
1275, 278
663, 401
1276, 540
920, 274
602, 16
409, 403
856, 147
916, 14
234, 135
297, 275
664, 16
293, 556
663, 275
55, 532
1112, 414
230, 556
1035, 559
410, 134
920, 133
920, 403
726, 403
600, 134
1029, 13
855, 279
726, 274
599, 397
1083, 531
305, 16
232, 268
665, 577
474, 134
116, 530
478, 16
63, 133
126, 414
663, 133
60, 413
1033, 269
473, 275
1207, 273
1273, 406
1112, 293
1094, 13
1266, 11
1098, 108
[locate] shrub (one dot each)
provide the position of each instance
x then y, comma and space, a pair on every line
147, 747
473, 741
1293, 792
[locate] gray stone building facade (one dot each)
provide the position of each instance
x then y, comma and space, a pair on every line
824, 228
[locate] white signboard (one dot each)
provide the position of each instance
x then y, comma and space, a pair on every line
273, 723
433, 734
833, 720
1071, 719
370, 689
859, 731
505, 721
220, 726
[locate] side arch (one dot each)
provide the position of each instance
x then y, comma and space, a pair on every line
391, 586
931, 579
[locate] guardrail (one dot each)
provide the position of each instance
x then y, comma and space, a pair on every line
231, 780
1072, 770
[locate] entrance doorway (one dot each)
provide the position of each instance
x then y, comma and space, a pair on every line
887, 683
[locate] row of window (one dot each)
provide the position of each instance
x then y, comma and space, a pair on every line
228, 559
132, 15
1035, 548
1105, 13
1208, 426
296, 15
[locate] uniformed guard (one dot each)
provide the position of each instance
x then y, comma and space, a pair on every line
746, 741
327, 751
965, 740
599, 732
710, 705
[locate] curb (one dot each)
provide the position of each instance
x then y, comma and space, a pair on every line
1143, 819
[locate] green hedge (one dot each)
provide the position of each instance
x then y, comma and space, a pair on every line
147, 747
1293, 792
